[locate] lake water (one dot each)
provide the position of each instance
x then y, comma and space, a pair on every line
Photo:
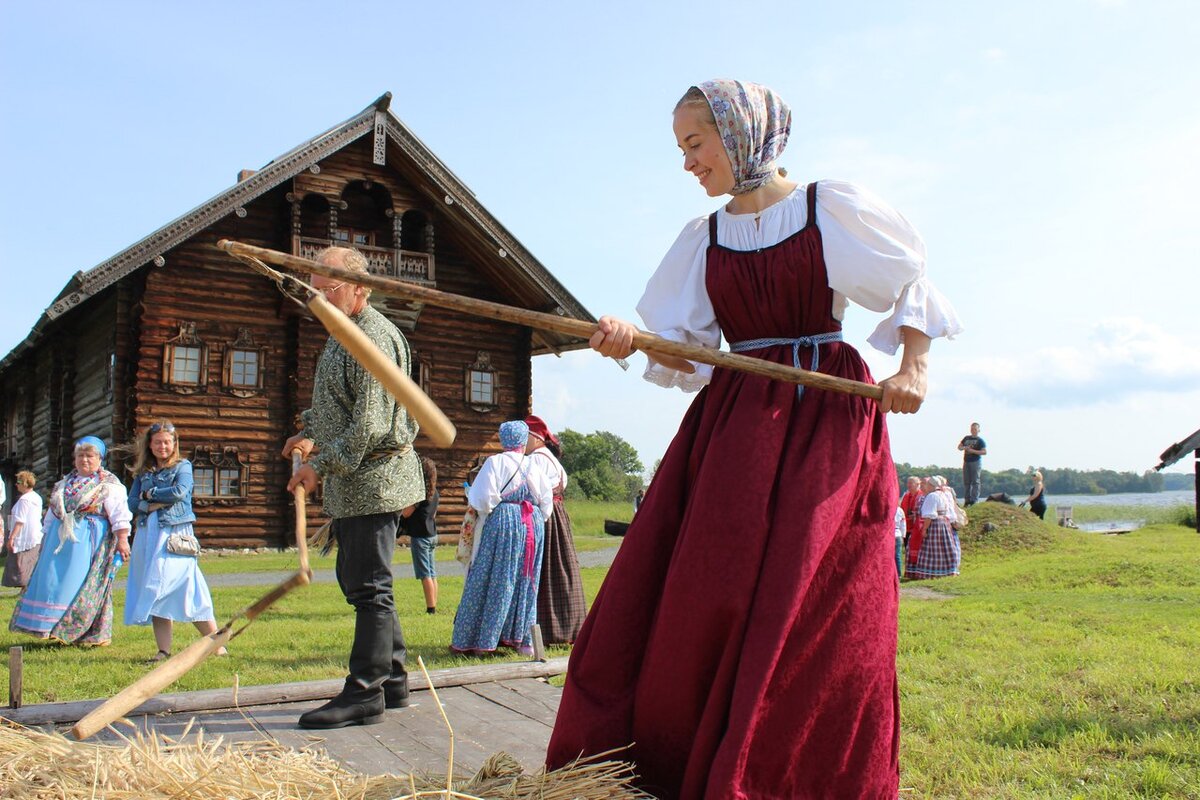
1156, 499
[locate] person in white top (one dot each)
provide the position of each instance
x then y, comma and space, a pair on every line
941, 553
24, 533
69, 596
561, 604
499, 599
758, 554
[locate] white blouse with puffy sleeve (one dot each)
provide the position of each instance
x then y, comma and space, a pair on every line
873, 256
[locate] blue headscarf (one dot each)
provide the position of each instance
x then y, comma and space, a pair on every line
754, 124
95, 442
513, 435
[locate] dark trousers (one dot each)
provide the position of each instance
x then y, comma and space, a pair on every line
971, 484
364, 573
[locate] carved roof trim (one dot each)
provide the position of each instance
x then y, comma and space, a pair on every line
483, 220
179, 230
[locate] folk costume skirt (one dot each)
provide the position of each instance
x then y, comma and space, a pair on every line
69, 596
940, 552
744, 640
499, 600
561, 607
163, 584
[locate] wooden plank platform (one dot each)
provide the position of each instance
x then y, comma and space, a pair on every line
509, 714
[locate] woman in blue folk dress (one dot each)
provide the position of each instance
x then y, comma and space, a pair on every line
164, 587
499, 602
69, 597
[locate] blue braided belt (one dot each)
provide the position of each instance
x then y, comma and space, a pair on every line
814, 342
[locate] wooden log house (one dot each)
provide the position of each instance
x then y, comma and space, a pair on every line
171, 327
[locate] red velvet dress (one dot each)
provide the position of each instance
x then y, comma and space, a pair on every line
745, 638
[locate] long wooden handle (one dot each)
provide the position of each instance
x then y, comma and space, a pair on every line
566, 325
150, 684
179, 664
299, 496
434, 424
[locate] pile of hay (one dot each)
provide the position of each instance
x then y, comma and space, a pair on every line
39, 766
1004, 527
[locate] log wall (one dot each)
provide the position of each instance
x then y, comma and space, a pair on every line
65, 388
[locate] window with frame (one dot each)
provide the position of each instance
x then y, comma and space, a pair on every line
353, 237
185, 361
420, 373
481, 383
244, 366
220, 475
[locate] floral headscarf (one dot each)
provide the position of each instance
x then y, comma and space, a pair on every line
754, 123
513, 435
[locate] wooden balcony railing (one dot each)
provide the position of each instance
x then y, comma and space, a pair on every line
385, 261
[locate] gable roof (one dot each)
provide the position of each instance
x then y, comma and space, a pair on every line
512, 265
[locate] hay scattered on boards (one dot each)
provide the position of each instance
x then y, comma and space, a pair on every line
35, 765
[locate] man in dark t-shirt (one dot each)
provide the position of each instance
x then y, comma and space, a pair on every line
974, 448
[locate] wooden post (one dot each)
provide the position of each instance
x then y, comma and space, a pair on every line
15, 666
1198, 490
539, 649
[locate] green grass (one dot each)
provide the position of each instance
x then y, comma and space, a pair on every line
305, 636
1064, 666
1063, 671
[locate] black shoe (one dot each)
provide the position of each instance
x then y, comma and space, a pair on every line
340, 712
395, 698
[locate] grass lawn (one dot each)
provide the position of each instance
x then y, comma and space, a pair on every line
1063, 666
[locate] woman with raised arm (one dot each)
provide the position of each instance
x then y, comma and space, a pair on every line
744, 641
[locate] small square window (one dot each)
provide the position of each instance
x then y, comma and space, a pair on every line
480, 384
482, 388
185, 361
242, 373
220, 475
205, 481
243, 368
230, 483
185, 364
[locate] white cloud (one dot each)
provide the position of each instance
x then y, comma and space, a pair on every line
1120, 357
995, 55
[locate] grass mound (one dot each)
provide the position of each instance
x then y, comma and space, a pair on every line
1004, 527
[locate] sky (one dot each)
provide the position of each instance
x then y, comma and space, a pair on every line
1046, 151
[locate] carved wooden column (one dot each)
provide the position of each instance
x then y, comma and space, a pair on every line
295, 202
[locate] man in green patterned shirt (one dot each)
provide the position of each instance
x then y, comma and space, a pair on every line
371, 475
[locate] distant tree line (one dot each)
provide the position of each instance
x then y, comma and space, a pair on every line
603, 466
1017, 483
600, 466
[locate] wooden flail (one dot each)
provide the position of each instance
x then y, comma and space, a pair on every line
642, 340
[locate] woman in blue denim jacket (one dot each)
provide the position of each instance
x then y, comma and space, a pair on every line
164, 587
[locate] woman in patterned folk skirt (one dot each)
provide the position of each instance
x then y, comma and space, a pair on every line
561, 607
69, 596
940, 551
499, 601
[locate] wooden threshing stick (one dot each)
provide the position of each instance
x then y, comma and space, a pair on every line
298, 495
179, 664
565, 325
434, 424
